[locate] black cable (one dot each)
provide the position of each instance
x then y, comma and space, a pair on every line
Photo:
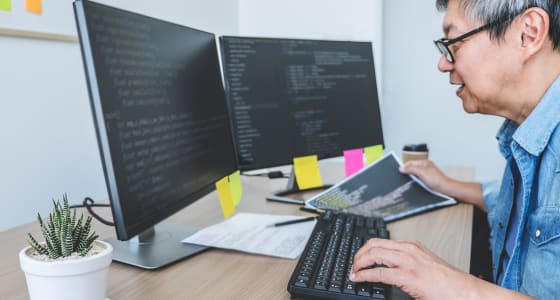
271, 175
276, 174
88, 203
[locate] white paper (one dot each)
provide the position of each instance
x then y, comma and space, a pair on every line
253, 233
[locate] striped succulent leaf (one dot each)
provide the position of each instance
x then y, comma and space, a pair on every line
64, 234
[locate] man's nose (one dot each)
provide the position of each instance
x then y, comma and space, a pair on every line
444, 65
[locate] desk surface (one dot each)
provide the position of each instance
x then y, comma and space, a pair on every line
222, 274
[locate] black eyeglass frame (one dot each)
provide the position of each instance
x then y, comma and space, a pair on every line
444, 43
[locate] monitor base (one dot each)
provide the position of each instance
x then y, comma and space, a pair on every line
293, 194
296, 196
156, 248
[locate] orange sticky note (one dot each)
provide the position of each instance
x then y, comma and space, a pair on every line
6, 5
353, 161
34, 6
307, 172
224, 193
373, 153
235, 186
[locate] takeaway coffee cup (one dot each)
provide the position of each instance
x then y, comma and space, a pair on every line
414, 151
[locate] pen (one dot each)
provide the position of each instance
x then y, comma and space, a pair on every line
293, 221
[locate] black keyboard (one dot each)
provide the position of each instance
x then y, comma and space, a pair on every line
323, 268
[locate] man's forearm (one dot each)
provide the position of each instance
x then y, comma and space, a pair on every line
468, 192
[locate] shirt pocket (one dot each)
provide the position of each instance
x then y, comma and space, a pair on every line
544, 225
541, 268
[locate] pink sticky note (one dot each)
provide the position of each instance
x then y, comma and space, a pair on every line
353, 161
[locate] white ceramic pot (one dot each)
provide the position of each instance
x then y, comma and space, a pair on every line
84, 278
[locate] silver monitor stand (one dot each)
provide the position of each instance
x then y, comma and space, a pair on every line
156, 247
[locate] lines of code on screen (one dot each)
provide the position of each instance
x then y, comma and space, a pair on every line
163, 108
292, 97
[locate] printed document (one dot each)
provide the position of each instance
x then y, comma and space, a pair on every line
380, 190
255, 233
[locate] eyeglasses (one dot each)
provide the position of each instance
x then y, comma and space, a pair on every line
443, 43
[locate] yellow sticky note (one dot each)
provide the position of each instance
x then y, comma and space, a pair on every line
34, 6
235, 186
224, 193
373, 153
6, 5
307, 172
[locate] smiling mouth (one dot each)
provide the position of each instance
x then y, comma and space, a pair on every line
460, 89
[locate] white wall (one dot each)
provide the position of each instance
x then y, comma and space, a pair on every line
355, 20
216, 16
419, 104
48, 144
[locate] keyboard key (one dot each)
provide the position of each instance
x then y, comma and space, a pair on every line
303, 277
383, 233
335, 287
301, 283
350, 288
379, 291
363, 289
372, 232
359, 221
320, 285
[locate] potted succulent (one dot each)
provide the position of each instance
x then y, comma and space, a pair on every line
71, 263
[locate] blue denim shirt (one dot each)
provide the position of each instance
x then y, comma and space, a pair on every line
534, 265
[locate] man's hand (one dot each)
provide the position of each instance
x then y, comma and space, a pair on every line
433, 177
428, 173
412, 268
420, 273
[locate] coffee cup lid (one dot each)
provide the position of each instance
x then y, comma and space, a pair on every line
416, 147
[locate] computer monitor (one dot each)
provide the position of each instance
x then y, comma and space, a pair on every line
161, 121
294, 97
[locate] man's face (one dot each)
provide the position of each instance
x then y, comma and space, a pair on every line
481, 65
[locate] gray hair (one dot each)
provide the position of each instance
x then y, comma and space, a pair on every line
502, 12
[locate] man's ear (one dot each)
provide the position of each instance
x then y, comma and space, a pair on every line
534, 30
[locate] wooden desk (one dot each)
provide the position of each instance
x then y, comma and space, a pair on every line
221, 274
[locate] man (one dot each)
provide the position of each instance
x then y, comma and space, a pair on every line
504, 55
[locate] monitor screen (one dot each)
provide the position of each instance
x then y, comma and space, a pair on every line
160, 113
292, 97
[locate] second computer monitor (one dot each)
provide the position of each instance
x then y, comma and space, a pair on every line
292, 97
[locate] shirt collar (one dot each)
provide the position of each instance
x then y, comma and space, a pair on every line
504, 137
534, 133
